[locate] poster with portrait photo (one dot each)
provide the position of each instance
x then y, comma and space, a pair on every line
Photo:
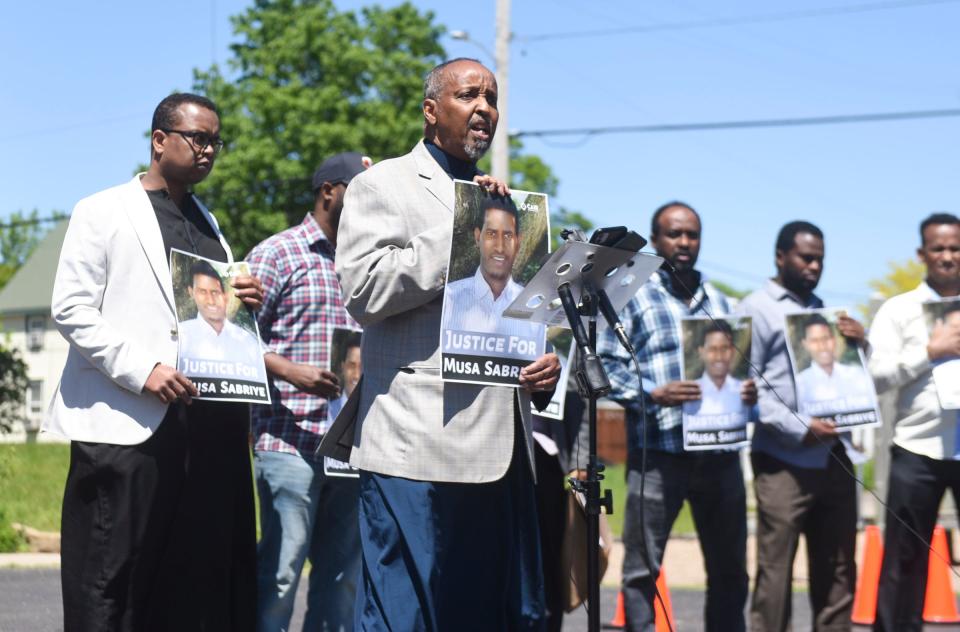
560, 341
946, 371
218, 343
830, 373
497, 246
346, 363
715, 356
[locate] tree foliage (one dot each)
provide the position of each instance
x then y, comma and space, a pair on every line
311, 81
901, 277
19, 235
13, 387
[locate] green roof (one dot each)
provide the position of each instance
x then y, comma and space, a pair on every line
30, 289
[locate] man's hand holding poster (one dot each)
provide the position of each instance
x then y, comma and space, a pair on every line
218, 340
830, 373
711, 360
943, 319
497, 246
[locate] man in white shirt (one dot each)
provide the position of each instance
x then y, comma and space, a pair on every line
720, 391
924, 456
476, 303
827, 383
211, 345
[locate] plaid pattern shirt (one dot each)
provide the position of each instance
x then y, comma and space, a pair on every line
301, 304
652, 322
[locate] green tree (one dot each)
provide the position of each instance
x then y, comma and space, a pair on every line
13, 387
311, 81
19, 235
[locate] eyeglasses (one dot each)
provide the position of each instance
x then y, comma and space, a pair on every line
199, 140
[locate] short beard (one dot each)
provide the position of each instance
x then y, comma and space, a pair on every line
476, 150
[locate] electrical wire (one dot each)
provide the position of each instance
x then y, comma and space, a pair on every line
732, 21
743, 124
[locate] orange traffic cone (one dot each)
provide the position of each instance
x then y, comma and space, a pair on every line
939, 604
865, 601
619, 620
663, 608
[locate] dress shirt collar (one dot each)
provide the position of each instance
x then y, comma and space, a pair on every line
779, 293
453, 166
665, 279
312, 232
482, 291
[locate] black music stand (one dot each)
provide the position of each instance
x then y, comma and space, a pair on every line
580, 269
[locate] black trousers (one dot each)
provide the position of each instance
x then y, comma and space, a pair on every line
161, 536
551, 517
917, 484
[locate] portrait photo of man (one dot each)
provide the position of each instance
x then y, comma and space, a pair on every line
720, 389
831, 378
476, 303
714, 359
943, 317
347, 364
210, 344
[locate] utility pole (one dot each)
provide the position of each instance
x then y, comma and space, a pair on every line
500, 159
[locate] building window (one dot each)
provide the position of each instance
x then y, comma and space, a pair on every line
36, 328
35, 401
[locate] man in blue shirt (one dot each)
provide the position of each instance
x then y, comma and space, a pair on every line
801, 463
711, 480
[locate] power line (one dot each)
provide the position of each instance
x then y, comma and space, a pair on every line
745, 124
733, 21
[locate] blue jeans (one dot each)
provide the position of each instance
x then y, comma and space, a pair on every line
713, 483
304, 513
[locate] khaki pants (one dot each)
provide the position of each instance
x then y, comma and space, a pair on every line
821, 505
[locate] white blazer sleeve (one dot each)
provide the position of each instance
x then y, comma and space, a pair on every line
78, 290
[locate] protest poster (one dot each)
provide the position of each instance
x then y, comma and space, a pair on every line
829, 371
218, 343
346, 362
561, 340
946, 371
715, 356
497, 246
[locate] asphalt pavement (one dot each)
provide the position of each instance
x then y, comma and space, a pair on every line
30, 602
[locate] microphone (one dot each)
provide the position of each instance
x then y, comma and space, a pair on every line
592, 379
613, 320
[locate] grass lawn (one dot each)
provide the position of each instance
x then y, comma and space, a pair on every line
615, 481
31, 483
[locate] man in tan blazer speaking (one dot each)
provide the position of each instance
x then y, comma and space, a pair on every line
447, 513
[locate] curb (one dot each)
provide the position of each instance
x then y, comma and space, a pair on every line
29, 560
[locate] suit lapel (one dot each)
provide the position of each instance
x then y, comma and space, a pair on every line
435, 180
136, 204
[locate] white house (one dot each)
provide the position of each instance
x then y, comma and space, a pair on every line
25, 324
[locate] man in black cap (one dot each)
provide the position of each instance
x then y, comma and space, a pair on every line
304, 512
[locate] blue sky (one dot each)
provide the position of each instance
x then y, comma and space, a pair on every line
81, 80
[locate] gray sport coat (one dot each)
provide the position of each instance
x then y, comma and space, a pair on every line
393, 246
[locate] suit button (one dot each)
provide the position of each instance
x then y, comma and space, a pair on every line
173, 333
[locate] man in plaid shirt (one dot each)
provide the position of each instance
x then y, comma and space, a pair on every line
304, 512
711, 480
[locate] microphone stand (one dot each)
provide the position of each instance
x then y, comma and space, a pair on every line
593, 384
607, 272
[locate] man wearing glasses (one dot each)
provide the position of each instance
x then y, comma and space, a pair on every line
158, 525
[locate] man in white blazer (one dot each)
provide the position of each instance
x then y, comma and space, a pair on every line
158, 527
447, 511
